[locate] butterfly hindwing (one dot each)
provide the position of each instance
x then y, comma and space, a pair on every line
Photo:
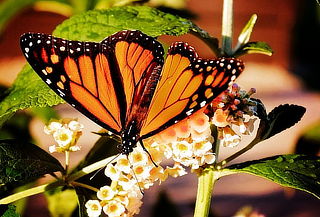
187, 84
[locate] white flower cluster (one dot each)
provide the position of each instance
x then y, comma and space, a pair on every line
234, 107
66, 133
187, 143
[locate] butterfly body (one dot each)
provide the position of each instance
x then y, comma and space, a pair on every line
123, 83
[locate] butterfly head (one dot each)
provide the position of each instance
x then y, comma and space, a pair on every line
129, 139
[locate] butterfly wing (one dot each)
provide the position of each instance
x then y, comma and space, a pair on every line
79, 72
187, 84
98, 79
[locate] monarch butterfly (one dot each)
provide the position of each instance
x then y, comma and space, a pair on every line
123, 83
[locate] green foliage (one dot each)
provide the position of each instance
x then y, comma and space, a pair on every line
62, 202
254, 47
28, 91
10, 212
22, 162
244, 46
279, 119
295, 171
97, 24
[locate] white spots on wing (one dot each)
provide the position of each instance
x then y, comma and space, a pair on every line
61, 93
78, 49
221, 64
229, 66
87, 49
26, 55
233, 77
189, 112
233, 71
48, 42
26, 49
203, 103
38, 41
48, 81
30, 44
44, 72
71, 51
73, 105
62, 48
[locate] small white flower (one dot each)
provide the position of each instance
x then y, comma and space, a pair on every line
176, 170
114, 208
112, 172
52, 127
200, 148
126, 183
52, 148
93, 208
75, 126
208, 158
106, 193
134, 205
138, 156
63, 136
182, 149
123, 164
230, 138
75, 148
142, 172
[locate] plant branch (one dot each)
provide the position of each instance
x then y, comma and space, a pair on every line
238, 153
91, 168
31, 191
206, 181
84, 186
227, 27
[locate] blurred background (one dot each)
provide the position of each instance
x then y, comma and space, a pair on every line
290, 27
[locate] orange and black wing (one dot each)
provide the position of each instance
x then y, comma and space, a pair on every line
98, 79
187, 84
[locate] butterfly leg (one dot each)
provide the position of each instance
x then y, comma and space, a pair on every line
144, 148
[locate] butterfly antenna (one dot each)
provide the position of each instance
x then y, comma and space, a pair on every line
144, 148
104, 166
135, 176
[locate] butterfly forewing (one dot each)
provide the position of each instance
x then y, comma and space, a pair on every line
111, 82
187, 84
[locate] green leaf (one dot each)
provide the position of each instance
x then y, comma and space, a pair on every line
254, 47
279, 119
10, 212
62, 203
98, 24
295, 171
245, 34
83, 196
22, 162
29, 91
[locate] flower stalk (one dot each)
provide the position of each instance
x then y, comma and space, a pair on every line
227, 27
206, 181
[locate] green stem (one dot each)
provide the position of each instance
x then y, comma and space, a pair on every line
206, 181
84, 186
227, 27
67, 154
91, 168
238, 153
30, 192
